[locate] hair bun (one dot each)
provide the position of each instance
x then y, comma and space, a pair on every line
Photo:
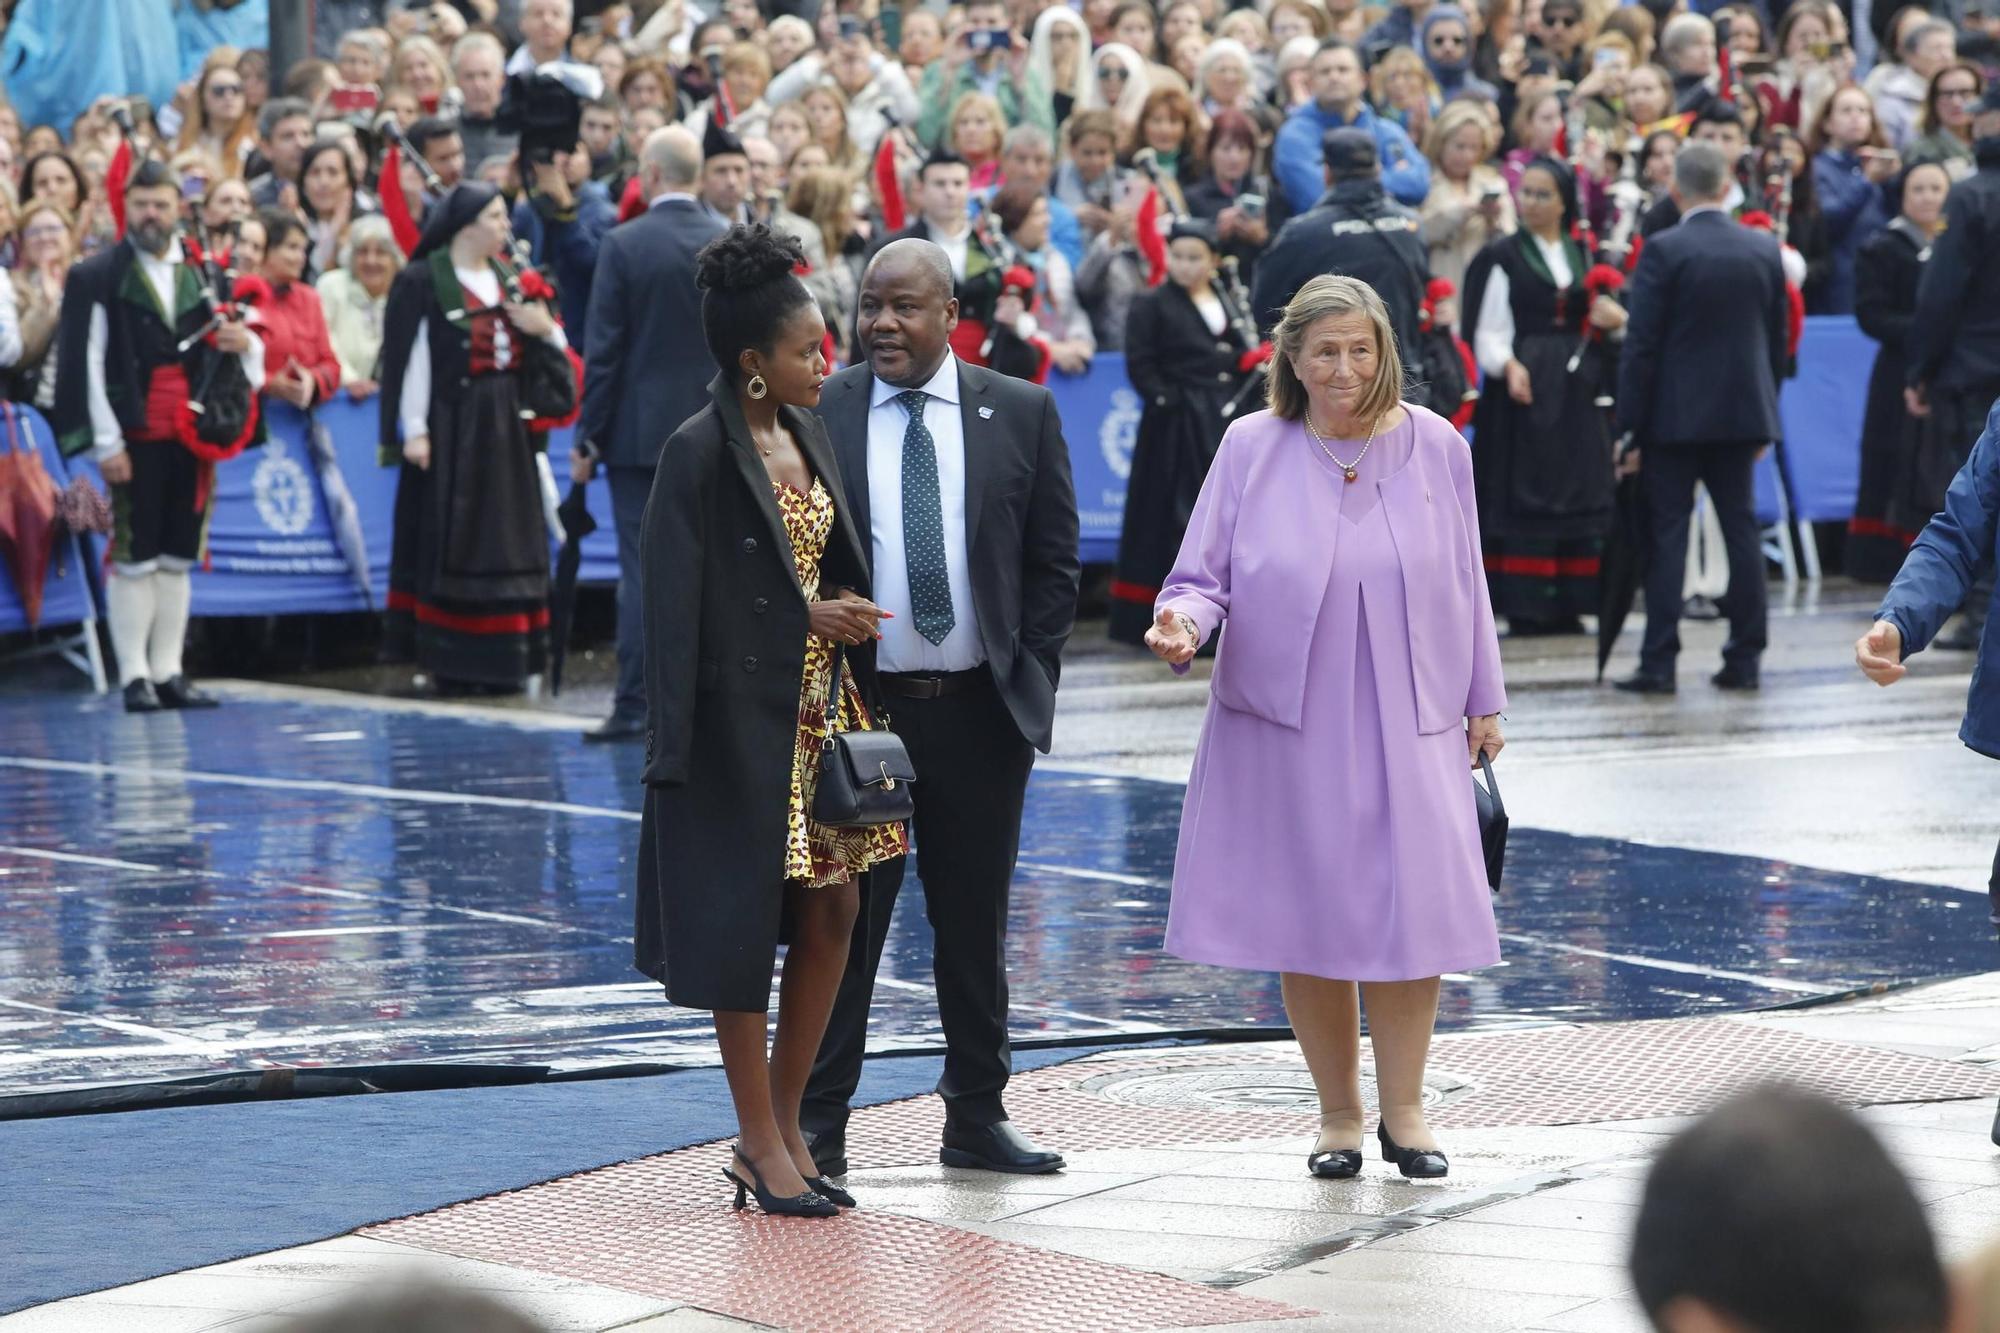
745, 258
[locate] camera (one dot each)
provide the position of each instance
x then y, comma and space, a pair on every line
850, 27
982, 40
1250, 205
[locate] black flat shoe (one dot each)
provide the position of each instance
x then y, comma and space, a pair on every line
825, 1188
1641, 683
141, 698
997, 1147
180, 692
808, 1204
1335, 1163
829, 1152
1416, 1163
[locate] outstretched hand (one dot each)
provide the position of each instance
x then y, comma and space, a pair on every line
1170, 640
1879, 654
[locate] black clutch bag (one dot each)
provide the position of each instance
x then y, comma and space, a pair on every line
864, 776
1492, 822
548, 381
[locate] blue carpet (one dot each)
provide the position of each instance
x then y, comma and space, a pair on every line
102, 1200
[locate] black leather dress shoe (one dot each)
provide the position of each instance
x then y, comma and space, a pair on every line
141, 698
617, 727
1641, 683
998, 1147
1736, 678
829, 1152
180, 692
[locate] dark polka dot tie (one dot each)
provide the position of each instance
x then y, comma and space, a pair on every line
923, 524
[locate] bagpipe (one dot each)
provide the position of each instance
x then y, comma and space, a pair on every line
220, 415
1256, 358
551, 383
993, 344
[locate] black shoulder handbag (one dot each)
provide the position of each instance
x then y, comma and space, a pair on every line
864, 776
1492, 822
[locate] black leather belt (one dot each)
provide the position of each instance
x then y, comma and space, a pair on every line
930, 685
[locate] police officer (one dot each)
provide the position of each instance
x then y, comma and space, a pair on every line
1355, 230
1954, 374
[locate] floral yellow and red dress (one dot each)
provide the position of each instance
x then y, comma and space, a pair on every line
816, 855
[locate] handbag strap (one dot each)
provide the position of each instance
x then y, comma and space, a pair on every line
833, 693
1492, 786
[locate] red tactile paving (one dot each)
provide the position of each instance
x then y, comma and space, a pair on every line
662, 1227
1542, 1076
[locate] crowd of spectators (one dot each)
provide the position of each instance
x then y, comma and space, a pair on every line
1049, 137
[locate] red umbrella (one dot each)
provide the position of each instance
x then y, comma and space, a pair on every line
27, 517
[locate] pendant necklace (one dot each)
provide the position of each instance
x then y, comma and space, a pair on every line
1346, 469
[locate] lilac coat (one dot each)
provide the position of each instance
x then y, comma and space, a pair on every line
1259, 550
1329, 826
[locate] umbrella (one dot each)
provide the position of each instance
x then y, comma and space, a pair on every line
1624, 564
577, 524
341, 509
27, 518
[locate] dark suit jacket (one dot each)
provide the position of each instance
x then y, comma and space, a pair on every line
646, 367
1705, 348
726, 630
1021, 525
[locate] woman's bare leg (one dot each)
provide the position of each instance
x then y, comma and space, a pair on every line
1401, 1015
822, 926
1326, 1018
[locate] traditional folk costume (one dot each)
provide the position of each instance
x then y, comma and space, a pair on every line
469, 568
1543, 471
1186, 355
135, 350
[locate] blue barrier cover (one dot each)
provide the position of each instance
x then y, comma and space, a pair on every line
66, 598
274, 548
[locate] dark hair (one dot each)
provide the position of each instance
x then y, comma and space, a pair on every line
1013, 204
82, 184
1781, 1210
1928, 121
749, 290
152, 174
1718, 111
1232, 126
279, 109
942, 157
314, 153
278, 225
428, 131
1337, 44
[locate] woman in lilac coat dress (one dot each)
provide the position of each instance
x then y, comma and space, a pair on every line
1329, 833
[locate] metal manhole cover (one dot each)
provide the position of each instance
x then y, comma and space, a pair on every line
1244, 1088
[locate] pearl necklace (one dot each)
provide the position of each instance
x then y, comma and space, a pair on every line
1346, 469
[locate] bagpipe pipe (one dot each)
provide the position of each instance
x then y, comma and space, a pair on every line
1003, 347
1256, 359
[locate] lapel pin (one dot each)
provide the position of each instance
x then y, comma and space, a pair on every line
986, 414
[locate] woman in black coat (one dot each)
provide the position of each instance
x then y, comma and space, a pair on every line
753, 575
1184, 346
1886, 272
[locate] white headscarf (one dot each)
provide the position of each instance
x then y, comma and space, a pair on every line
1041, 60
1138, 81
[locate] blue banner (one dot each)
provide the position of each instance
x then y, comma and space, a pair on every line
1100, 416
283, 539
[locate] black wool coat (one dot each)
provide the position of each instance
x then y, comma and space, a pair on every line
726, 624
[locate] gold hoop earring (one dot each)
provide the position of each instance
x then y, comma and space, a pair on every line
756, 388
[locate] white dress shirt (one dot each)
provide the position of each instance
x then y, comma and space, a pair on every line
902, 648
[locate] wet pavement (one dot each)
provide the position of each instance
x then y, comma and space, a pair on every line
306, 878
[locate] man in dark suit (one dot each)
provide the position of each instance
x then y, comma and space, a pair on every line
960, 481
646, 370
1698, 388
1355, 229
